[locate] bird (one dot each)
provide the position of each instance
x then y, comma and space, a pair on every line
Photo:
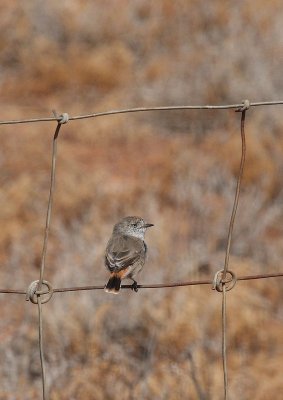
125, 253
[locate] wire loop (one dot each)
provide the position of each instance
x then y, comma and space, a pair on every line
229, 281
32, 293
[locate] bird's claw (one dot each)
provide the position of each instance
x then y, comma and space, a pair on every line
134, 286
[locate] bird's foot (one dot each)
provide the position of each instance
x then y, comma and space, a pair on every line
134, 286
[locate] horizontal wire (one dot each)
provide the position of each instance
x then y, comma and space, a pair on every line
151, 285
142, 109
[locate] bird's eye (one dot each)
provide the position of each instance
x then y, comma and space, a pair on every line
135, 224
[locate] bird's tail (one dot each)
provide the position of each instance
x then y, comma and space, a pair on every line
113, 285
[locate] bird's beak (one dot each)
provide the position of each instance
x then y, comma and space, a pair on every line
148, 225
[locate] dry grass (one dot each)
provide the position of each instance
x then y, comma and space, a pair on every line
177, 169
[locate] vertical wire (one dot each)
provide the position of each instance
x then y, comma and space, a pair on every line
41, 354
42, 266
49, 206
224, 355
227, 255
236, 200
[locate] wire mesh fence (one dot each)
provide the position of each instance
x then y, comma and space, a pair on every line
40, 291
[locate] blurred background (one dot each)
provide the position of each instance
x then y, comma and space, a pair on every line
176, 169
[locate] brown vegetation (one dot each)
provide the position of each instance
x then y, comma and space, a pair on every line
177, 169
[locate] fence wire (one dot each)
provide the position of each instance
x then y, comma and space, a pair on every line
141, 109
41, 291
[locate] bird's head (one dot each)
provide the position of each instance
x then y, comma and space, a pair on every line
132, 226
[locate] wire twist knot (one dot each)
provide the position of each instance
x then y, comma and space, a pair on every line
229, 281
32, 293
244, 107
64, 118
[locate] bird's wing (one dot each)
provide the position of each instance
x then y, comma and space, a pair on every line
123, 251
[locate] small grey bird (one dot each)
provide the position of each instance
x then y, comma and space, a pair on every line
125, 252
